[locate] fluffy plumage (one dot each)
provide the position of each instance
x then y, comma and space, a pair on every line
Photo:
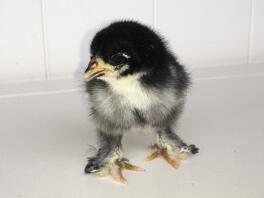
133, 81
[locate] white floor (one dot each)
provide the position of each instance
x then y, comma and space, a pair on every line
45, 138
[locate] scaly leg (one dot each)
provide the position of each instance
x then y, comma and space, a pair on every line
109, 160
171, 148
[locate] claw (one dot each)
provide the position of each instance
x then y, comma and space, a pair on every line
152, 156
131, 167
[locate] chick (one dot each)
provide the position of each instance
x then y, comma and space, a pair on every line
134, 81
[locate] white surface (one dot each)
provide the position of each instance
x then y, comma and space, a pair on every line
50, 38
44, 142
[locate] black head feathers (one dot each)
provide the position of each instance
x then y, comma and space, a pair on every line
139, 49
141, 44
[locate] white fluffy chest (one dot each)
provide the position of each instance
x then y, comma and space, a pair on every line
126, 96
131, 91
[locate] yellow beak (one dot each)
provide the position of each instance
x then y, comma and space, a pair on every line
98, 68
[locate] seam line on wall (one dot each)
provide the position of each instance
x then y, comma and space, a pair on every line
44, 37
250, 32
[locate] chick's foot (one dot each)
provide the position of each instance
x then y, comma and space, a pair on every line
112, 166
171, 153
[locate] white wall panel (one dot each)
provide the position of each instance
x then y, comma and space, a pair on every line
202, 33
21, 49
257, 48
72, 23
206, 32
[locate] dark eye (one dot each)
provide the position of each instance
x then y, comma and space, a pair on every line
119, 59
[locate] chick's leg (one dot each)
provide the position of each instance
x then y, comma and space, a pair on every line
171, 148
109, 159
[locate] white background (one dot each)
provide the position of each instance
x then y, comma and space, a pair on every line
49, 39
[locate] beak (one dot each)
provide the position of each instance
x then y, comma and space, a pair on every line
97, 67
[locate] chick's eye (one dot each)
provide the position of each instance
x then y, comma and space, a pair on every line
119, 59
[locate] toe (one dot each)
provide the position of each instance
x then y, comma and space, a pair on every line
128, 166
152, 156
117, 175
170, 159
